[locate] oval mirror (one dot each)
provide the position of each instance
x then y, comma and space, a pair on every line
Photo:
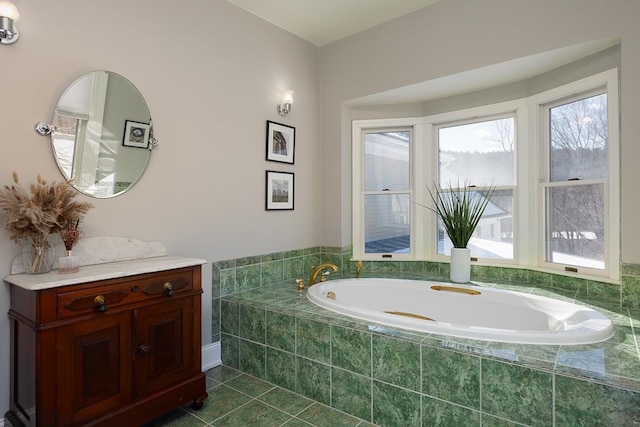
102, 134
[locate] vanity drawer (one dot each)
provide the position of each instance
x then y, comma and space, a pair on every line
98, 298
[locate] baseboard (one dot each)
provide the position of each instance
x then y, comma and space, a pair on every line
211, 356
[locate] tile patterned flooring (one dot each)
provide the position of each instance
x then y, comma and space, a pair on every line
240, 400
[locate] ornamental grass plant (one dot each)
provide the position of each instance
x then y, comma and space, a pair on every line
460, 209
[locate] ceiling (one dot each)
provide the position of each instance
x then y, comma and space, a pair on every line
325, 21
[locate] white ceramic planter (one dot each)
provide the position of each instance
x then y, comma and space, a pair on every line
460, 268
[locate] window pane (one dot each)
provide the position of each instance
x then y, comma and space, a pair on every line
493, 237
479, 153
578, 137
386, 161
575, 229
387, 223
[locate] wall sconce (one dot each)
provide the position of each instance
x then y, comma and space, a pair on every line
8, 15
287, 100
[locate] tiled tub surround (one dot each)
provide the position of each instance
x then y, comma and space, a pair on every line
400, 378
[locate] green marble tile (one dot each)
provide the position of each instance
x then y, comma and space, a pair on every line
540, 278
252, 323
227, 282
517, 393
313, 340
436, 413
295, 422
229, 317
312, 250
222, 373
314, 380
604, 291
584, 403
281, 331
294, 268
254, 414
569, 283
602, 361
393, 406
225, 264
310, 262
485, 272
324, 416
230, 350
286, 400
631, 291
272, 272
533, 356
252, 358
215, 282
399, 333
281, 368
335, 259
250, 385
351, 393
215, 317
630, 269
221, 400
490, 421
431, 267
445, 269
293, 253
348, 266
241, 262
351, 350
272, 257
248, 277
177, 418
514, 275
396, 361
451, 376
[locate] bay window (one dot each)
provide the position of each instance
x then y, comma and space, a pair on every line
552, 157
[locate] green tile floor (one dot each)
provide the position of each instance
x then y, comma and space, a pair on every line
240, 400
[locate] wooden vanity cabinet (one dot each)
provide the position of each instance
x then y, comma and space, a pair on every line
115, 352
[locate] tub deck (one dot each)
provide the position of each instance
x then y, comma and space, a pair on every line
277, 334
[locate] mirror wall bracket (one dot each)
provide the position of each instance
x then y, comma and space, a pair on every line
44, 128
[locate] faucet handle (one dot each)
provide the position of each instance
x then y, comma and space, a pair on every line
323, 276
300, 283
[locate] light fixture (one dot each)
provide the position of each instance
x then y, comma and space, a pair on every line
287, 100
8, 15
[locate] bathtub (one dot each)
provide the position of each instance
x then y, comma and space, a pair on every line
463, 311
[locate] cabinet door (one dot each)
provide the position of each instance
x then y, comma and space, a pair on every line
94, 368
163, 345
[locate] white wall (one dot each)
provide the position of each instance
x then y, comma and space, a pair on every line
210, 84
454, 36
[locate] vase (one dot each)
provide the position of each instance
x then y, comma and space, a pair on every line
68, 263
38, 254
460, 268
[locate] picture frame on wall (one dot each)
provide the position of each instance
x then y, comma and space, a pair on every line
136, 134
279, 190
281, 142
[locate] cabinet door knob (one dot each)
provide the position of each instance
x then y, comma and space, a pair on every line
99, 302
143, 349
169, 288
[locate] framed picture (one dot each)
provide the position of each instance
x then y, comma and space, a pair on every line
279, 192
136, 134
281, 142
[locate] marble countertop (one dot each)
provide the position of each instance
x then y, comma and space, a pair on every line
92, 273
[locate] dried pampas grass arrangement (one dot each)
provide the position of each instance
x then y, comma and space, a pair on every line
49, 208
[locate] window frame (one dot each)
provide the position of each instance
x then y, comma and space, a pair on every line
528, 189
